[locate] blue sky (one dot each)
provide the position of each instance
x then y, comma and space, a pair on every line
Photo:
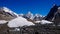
35, 6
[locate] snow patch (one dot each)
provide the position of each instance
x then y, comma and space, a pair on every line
3, 21
37, 21
19, 22
43, 22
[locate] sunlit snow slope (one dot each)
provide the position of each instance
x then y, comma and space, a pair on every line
19, 22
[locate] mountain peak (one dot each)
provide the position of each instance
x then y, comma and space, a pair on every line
38, 15
29, 12
6, 9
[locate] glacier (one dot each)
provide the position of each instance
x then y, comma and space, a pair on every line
19, 22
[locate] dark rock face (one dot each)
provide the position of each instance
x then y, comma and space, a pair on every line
51, 13
57, 18
54, 15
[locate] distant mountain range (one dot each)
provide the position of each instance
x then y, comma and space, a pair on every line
10, 13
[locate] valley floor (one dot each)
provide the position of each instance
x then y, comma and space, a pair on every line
37, 29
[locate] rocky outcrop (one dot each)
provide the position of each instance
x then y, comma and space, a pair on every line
54, 15
51, 13
5, 15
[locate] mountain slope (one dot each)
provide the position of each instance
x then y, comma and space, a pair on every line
7, 14
51, 13
10, 12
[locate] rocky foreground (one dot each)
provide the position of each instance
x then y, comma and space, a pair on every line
37, 29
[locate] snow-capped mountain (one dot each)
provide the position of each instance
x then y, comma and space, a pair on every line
29, 15
38, 17
19, 22
7, 14
10, 12
33, 17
